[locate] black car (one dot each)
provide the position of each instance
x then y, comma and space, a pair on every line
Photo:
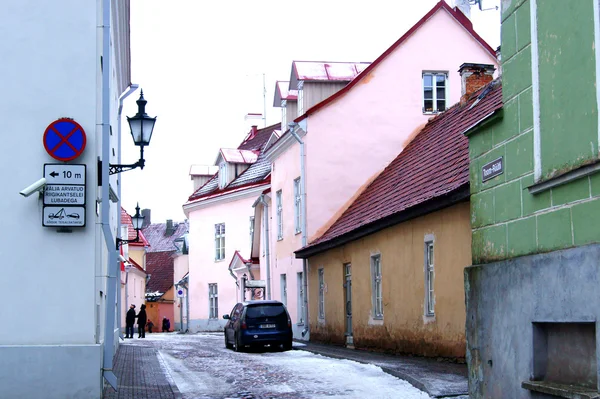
258, 323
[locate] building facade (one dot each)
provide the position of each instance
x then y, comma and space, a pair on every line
531, 294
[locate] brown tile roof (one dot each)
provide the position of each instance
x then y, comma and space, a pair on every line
434, 164
126, 219
159, 241
159, 265
256, 173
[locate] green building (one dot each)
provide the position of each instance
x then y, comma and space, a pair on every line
533, 292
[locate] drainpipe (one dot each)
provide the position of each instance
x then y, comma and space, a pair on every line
109, 333
293, 131
262, 201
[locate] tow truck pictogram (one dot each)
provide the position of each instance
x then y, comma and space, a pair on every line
62, 214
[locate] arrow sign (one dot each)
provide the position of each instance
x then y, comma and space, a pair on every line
53, 174
60, 173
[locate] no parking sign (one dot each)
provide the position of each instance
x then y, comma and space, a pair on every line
64, 139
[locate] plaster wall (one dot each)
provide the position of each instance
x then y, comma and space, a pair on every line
503, 301
133, 292
348, 147
404, 328
204, 269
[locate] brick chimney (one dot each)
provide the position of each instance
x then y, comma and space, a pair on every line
146, 215
170, 229
473, 77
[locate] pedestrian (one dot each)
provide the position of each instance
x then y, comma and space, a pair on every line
150, 325
129, 322
142, 318
166, 324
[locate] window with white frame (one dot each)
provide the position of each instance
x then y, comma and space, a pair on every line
284, 289
251, 228
429, 299
222, 174
283, 114
434, 91
321, 293
300, 98
220, 241
297, 206
279, 215
377, 296
213, 300
300, 298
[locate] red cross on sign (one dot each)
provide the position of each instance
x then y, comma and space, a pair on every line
64, 139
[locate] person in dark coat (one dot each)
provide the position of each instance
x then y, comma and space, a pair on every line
142, 318
166, 324
129, 322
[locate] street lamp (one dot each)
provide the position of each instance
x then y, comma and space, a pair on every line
137, 220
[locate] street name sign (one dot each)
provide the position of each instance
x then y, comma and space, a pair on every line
492, 169
64, 195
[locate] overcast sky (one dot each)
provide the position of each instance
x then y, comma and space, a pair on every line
201, 65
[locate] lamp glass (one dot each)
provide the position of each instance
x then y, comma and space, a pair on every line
138, 221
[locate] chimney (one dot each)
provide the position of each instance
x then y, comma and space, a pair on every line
464, 7
146, 215
170, 230
473, 77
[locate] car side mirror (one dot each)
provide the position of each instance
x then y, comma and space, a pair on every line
226, 317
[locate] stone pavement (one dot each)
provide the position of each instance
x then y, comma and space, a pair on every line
439, 379
141, 375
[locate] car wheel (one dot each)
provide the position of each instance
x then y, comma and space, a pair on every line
238, 347
227, 344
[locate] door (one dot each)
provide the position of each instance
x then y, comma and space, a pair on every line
232, 322
348, 297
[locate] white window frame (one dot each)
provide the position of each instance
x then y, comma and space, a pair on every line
434, 91
322, 293
222, 174
219, 241
283, 115
429, 262
283, 279
300, 298
376, 287
298, 205
300, 97
213, 301
251, 229
279, 209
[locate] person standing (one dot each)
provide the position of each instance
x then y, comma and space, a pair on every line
142, 318
129, 322
165, 324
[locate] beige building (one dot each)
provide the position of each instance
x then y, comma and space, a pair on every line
388, 273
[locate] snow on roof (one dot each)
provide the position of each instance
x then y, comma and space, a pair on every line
283, 93
328, 71
203, 170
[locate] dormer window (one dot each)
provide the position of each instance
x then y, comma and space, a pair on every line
223, 175
434, 92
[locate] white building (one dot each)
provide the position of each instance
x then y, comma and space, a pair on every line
57, 341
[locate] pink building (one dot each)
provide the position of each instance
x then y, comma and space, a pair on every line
343, 134
221, 220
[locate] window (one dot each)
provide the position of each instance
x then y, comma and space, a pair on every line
429, 300
376, 280
279, 216
300, 98
283, 115
284, 289
222, 174
251, 229
297, 206
213, 300
300, 299
220, 241
321, 293
434, 91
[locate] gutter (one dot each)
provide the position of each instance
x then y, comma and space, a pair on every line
294, 127
262, 201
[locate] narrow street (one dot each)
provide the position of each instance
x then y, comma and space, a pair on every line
203, 368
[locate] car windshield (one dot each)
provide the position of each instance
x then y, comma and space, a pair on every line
275, 311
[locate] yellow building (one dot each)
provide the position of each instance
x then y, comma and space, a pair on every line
388, 273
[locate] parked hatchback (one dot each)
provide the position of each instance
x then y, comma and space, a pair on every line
258, 323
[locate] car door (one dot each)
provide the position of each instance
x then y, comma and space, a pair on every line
233, 322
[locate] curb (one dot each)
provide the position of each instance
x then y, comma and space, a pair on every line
176, 393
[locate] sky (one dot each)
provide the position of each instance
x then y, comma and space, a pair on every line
202, 64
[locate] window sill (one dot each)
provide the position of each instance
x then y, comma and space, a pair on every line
561, 390
219, 260
565, 178
298, 232
279, 238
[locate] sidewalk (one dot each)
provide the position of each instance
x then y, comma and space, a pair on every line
438, 379
141, 375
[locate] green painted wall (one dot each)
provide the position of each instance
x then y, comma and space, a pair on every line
507, 220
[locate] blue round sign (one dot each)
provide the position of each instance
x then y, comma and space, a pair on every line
64, 139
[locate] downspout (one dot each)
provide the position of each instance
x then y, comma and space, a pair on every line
261, 200
251, 277
293, 126
131, 89
236, 283
109, 330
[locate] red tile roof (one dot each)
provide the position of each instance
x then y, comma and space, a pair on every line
159, 265
136, 265
454, 12
258, 173
126, 219
433, 165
